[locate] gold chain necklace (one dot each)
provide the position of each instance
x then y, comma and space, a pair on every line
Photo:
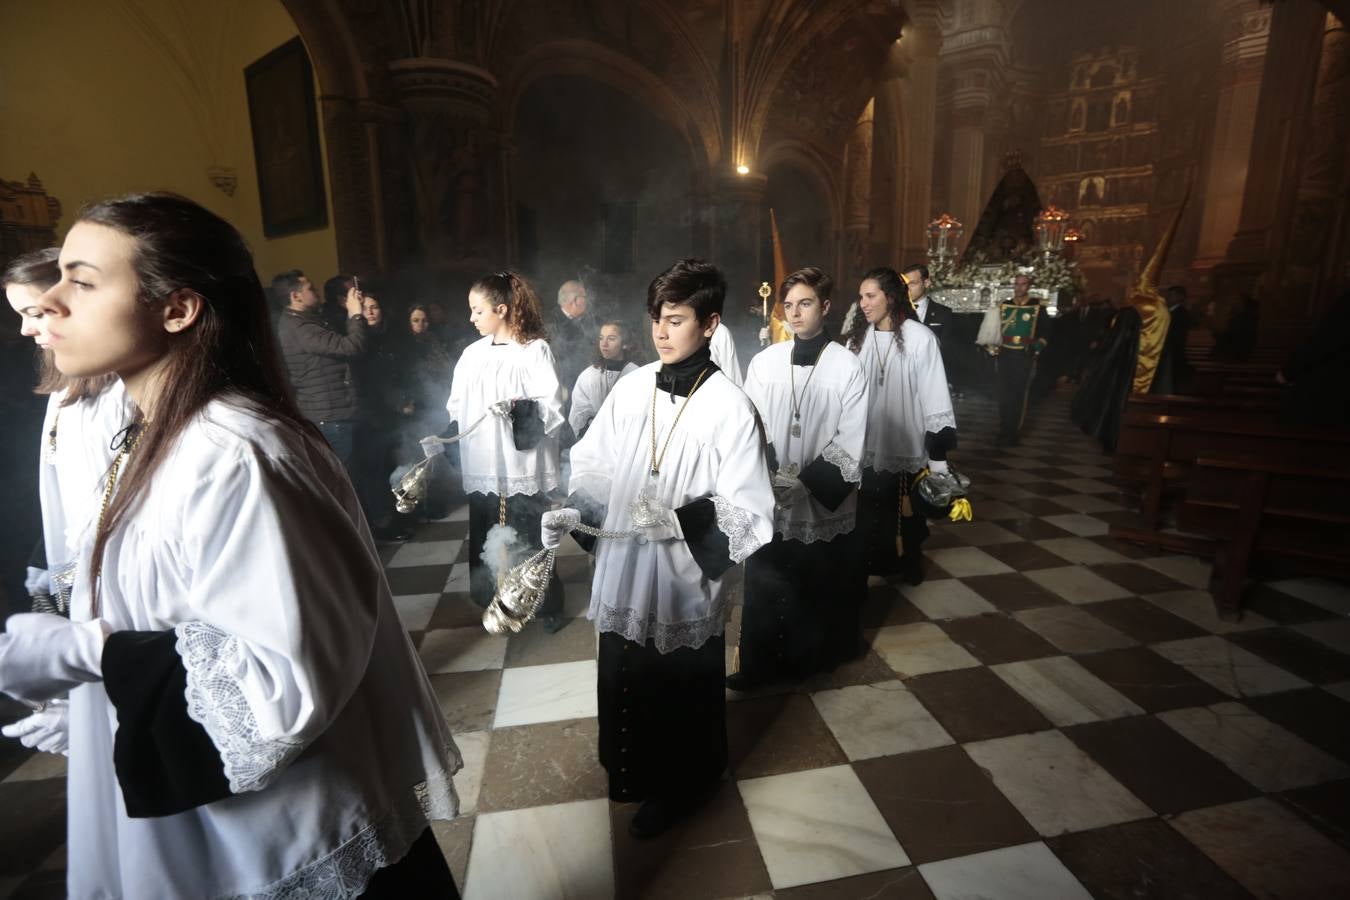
656, 460
792, 381
111, 486
881, 362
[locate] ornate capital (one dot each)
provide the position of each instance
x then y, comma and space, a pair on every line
445, 87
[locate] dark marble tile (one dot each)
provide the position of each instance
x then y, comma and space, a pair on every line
1143, 621
867, 669
33, 824
1125, 548
1046, 489
892, 884
468, 699
885, 605
1013, 591
1138, 579
456, 840
975, 705
1325, 806
534, 646
1034, 529
1023, 556
940, 804
1146, 860
1314, 715
1156, 684
442, 531
538, 765
996, 638
1158, 765
712, 852
456, 610
776, 734
1296, 653
1281, 607
42, 886
418, 579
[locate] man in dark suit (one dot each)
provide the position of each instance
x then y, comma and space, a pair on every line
938, 317
1174, 345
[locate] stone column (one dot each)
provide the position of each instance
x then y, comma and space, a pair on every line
857, 220
972, 60
456, 161
353, 131
919, 47
1292, 53
1246, 33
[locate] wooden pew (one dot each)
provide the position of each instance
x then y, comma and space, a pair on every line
1268, 511
1238, 402
1156, 452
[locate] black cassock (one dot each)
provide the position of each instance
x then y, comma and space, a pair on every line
1098, 406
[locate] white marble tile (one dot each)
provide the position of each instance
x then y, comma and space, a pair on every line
1262, 752
38, 767
1024, 872
1064, 691
1077, 584
1056, 786
981, 532
415, 610
1088, 471
1079, 524
964, 562
473, 747
1197, 607
560, 852
425, 553
469, 649
1072, 630
920, 648
1269, 850
818, 825
458, 579
1086, 503
1018, 476
870, 720
1330, 595
1228, 667
552, 693
1016, 461
1081, 551
1340, 689
1334, 633
946, 598
1088, 486
1191, 571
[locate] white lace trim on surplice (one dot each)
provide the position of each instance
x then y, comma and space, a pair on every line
938, 421
897, 464
838, 457
738, 526
495, 484
819, 530
633, 625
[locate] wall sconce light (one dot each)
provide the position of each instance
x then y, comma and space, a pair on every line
742, 169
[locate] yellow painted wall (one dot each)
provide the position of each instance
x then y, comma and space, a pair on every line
102, 97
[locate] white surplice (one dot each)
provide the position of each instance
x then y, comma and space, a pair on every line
76, 453
722, 346
488, 372
250, 545
913, 399
832, 399
592, 387
656, 590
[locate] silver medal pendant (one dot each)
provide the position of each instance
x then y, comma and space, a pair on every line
881, 380
796, 429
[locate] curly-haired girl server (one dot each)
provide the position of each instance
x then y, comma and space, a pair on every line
247, 716
506, 401
910, 426
811, 394
675, 446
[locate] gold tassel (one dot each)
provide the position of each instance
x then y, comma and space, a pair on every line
736, 659
961, 511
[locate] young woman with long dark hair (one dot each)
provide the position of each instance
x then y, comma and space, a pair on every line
910, 423
247, 715
614, 354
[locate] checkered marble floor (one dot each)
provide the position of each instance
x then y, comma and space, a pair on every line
1052, 714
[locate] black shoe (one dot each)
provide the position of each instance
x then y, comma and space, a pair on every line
653, 817
553, 624
912, 569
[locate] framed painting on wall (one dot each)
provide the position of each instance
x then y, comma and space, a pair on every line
286, 151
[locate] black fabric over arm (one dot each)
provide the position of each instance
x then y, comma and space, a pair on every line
939, 444
709, 546
527, 429
165, 762
826, 483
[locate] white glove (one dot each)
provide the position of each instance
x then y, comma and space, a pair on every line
502, 409
937, 466
42, 655
37, 581
47, 730
555, 523
788, 491
432, 446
